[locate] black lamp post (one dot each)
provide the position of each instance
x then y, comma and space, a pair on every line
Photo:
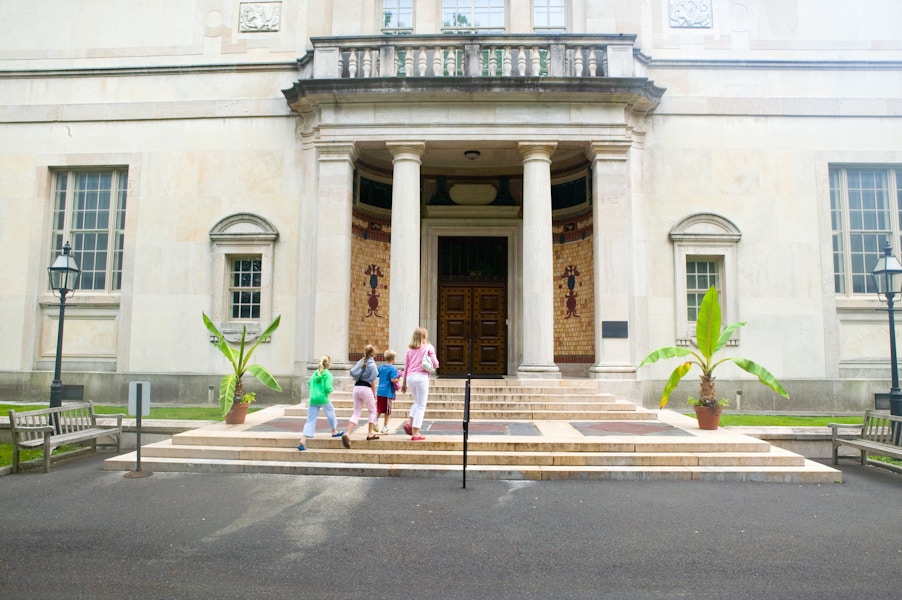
64, 273
888, 276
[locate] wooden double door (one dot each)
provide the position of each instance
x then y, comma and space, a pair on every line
472, 305
473, 329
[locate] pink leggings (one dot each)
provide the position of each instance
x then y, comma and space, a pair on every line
363, 395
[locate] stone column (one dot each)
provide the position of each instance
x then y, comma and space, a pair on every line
538, 263
404, 274
332, 263
612, 242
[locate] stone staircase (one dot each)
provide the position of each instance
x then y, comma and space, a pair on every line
535, 430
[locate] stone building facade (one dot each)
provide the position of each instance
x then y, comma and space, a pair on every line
547, 185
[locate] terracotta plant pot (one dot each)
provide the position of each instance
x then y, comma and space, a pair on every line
708, 417
237, 414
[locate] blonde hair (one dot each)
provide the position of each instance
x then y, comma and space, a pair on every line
419, 336
369, 350
324, 363
390, 355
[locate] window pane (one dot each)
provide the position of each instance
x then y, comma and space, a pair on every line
870, 223
549, 14
700, 275
89, 212
245, 287
473, 15
397, 14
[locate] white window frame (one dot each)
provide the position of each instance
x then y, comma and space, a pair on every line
710, 237
396, 30
60, 233
543, 6
241, 235
844, 273
471, 10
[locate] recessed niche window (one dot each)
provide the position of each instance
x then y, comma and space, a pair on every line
243, 255
704, 247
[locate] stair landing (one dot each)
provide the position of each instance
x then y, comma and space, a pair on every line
661, 445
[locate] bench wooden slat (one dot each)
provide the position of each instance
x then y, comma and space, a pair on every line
880, 434
52, 427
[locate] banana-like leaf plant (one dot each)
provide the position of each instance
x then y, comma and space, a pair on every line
231, 388
710, 338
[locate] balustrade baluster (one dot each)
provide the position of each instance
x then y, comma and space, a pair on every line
521, 61
493, 62
352, 63
536, 61
422, 61
437, 66
367, 63
578, 62
506, 62
593, 62
408, 62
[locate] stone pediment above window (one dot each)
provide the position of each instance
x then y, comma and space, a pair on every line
244, 227
705, 227
608, 67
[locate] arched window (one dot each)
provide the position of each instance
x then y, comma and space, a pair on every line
243, 249
704, 251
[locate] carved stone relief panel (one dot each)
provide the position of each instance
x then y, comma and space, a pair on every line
691, 14
259, 16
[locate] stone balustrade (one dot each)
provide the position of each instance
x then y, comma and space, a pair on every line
567, 56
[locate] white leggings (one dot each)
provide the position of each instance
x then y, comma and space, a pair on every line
418, 384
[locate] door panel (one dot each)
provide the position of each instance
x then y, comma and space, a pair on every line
455, 307
472, 329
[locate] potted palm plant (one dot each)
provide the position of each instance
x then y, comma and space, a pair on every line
710, 337
233, 401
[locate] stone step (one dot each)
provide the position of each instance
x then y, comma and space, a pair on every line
440, 454
670, 446
810, 472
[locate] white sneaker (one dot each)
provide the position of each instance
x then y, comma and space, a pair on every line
384, 429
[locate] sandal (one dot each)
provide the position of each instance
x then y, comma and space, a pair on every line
372, 437
339, 434
407, 429
346, 441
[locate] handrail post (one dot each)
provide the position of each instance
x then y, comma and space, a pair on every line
466, 427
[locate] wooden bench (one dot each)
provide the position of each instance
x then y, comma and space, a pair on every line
52, 427
880, 434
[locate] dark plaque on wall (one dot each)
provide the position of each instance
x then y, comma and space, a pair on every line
614, 329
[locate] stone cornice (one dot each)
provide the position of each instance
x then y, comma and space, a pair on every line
639, 94
149, 70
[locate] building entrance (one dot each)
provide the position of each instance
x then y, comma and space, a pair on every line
472, 305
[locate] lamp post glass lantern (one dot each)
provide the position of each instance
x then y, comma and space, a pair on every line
64, 274
888, 277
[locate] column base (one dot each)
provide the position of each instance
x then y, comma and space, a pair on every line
611, 367
538, 371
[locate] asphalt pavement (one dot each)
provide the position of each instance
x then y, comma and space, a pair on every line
80, 532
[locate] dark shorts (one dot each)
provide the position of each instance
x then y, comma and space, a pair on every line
383, 404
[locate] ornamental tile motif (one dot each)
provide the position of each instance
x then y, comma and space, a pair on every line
691, 14
259, 16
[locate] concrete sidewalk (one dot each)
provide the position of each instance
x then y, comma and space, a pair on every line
82, 532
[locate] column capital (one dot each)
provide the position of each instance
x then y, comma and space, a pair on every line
337, 150
413, 150
608, 150
536, 150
